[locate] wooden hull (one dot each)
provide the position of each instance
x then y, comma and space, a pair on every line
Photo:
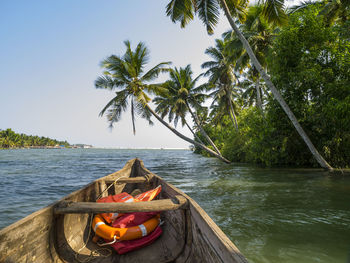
189, 235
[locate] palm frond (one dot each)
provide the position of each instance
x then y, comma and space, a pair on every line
115, 108
209, 12
237, 8
209, 64
275, 12
153, 73
213, 52
104, 82
300, 6
120, 99
180, 11
158, 89
142, 98
143, 112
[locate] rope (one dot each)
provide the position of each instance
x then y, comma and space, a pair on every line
114, 183
109, 243
93, 253
97, 252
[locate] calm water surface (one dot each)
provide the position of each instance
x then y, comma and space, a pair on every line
272, 215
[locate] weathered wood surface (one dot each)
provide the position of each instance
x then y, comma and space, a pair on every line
189, 235
179, 202
134, 180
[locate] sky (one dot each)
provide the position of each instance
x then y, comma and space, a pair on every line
50, 54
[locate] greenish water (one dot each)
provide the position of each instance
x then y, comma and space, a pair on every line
272, 215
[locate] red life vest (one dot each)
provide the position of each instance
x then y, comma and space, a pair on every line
123, 247
133, 219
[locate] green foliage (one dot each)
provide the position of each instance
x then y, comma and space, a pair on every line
10, 139
217, 134
309, 62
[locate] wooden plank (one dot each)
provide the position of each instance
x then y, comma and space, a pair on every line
211, 237
179, 202
103, 187
131, 180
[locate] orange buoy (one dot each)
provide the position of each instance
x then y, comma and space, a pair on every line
110, 233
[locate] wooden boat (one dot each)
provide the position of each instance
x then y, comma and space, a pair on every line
61, 232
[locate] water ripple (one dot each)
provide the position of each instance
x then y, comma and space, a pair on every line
272, 215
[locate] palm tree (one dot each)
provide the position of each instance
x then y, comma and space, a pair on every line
259, 34
250, 90
168, 104
126, 73
182, 96
209, 10
222, 77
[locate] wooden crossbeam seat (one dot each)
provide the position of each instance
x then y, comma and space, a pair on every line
69, 207
131, 180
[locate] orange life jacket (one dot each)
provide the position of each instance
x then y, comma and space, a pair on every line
149, 195
126, 198
118, 198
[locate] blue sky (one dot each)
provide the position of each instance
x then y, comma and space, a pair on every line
50, 53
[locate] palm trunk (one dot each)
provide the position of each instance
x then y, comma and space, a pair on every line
233, 117
274, 91
258, 95
201, 129
194, 134
185, 137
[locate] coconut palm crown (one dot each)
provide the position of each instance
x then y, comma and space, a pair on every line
125, 75
222, 78
181, 92
183, 95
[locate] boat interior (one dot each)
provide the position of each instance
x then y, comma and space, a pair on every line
74, 233
62, 232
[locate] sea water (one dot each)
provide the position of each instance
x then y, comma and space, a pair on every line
271, 215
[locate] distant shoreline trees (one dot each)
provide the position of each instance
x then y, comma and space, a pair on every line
10, 140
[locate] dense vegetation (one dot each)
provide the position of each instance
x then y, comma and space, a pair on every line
309, 62
274, 81
10, 139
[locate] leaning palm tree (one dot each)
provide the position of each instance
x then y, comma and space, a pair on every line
253, 91
222, 78
182, 96
223, 105
259, 34
209, 10
126, 75
169, 105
